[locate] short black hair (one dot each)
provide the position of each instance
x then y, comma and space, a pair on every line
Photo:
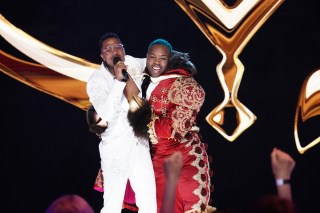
107, 36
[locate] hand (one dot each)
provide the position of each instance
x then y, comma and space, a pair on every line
118, 67
282, 164
98, 184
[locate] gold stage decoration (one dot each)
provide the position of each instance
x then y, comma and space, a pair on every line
308, 107
229, 28
58, 74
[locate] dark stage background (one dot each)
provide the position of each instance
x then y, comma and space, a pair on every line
48, 150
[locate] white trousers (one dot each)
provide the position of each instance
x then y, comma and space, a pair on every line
119, 164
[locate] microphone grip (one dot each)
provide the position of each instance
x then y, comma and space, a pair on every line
124, 72
125, 75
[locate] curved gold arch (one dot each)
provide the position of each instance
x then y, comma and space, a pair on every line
229, 29
45, 80
308, 106
58, 74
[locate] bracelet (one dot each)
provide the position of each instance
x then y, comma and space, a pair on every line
280, 182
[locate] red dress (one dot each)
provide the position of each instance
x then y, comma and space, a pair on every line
175, 103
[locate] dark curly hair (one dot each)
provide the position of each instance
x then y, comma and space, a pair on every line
181, 60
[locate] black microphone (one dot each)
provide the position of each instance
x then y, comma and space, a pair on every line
125, 74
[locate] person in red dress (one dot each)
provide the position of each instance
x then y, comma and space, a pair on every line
175, 99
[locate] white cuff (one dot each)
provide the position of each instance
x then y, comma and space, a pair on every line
280, 182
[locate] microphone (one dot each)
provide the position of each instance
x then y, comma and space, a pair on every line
125, 74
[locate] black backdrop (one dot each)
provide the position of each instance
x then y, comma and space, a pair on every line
48, 150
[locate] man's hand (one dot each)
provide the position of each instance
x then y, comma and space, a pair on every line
282, 164
118, 67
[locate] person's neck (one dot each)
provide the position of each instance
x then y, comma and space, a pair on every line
110, 69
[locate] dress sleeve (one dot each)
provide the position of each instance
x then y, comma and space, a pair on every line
186, 97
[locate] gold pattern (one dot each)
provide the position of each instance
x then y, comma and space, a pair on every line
188, 96
201, 171
152, 133
187, 92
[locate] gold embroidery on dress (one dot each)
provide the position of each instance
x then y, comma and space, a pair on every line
187, 92
152, 133
201, 171
189, 96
